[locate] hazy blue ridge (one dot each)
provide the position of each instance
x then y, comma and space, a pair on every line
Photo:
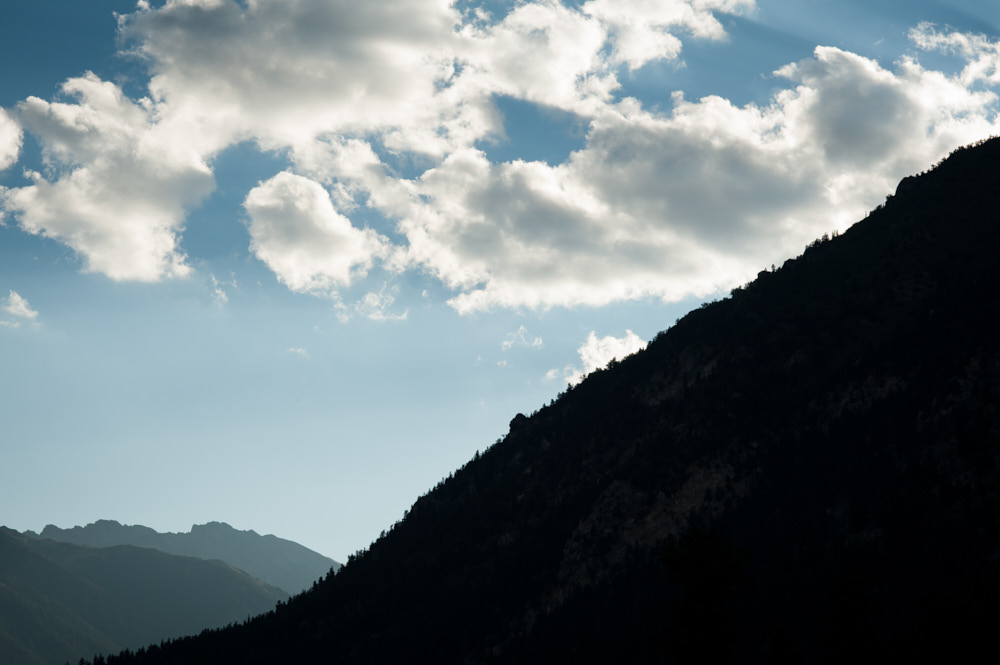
60, 601
44, 609
276, 561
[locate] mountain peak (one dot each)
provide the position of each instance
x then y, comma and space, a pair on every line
212, 526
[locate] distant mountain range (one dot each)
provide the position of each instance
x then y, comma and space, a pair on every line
276, 561
72, 593
807, 471
59, 601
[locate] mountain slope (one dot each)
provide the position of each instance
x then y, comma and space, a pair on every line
41, 606
276, 561
60, 601
808, 471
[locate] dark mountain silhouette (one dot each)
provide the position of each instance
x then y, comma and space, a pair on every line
276, 561
806, 471
60, 601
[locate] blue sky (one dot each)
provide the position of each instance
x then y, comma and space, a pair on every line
286, 264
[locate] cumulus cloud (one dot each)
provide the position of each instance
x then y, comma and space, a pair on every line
296, 231
17, 310
417, 74
665, 204
414, 75
643, 30
597, 352
507, 58
687, 202
286, 71
121, 175
117, 185
10, 140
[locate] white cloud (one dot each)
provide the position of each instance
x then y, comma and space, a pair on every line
597, 352
981, 54
642, 30
218, 287
507, 58
10, 140
118, 183
299, 352
377, 305
684, 203
373, 305
656, 204
18, 308
287, 71
521, 337
413, 74
297, 233
865, 118
121, 175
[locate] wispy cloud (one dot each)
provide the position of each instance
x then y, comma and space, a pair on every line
17, 311
982, 54
374, 305
521, 337
218, 288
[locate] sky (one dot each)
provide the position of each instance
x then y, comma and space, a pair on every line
287, 264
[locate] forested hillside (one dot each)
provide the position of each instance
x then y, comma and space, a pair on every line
806, 471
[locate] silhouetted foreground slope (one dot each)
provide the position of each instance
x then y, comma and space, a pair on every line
804, 472
276, 561
60, 601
